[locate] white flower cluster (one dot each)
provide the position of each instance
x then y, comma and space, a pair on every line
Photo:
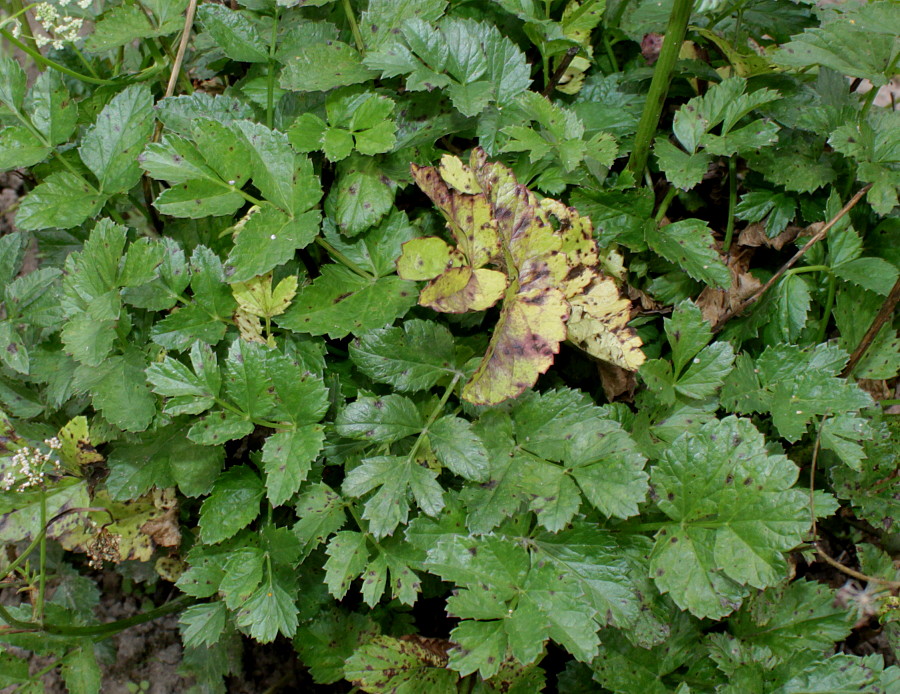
61, 28
32, 466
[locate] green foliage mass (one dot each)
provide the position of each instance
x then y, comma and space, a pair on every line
293, 334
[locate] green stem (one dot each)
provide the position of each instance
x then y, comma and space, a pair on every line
434, 415
659, 85
42, 562
99, 630
664, 205
85, 61
342, 259
38, 56
873, 92
27, 35
354, 27
808, 268
826, 311
280, 426
270, 82
732, 202
889, 403
609, 52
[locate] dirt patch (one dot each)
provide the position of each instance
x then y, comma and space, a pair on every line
11, 189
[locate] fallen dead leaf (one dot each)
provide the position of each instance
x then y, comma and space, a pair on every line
715, 303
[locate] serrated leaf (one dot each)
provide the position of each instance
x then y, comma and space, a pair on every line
320, 512
458, 447
232, 505
202, 624
733, 515
362, 196
287, 458
347, 557
414, 356
682, 170
271, 609
689, 244
398, 665
329, 640
19, 147
269, 238
111, 145
119, 390
320, 67
63, 200
340, 302
388, 418
235, 33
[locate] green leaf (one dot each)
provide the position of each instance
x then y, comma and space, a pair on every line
384, 419
800, 616
733, 514
777, 209
843, 45
232, 505
224, 154
80, 671
13, 83
53, 112
202, 624
197, 199
234, 32
269, 238
329, 640
414, 356
19, 147
319, 67
682, 170
689, 244
111, 145
458, 447
63, 200
163, 457
179, 112
190, 392
347, 557
593, 560
119, 390
271, 610
394, 477
873, 274
794, 385
340, 302
403, 666
122, 24
206, 317
377, 249
287, 458
362, 196
320, 512
853, 313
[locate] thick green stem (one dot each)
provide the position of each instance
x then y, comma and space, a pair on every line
100, 631
732, 202
354, 27
434, 415
42, 562
342, 259
270, 81
659, 85
664, 205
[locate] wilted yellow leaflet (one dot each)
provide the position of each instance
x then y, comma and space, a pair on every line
468, 216
458, 175
426, 258
598, 324
257, 297
462, 289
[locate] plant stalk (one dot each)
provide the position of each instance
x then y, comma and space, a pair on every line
659, 85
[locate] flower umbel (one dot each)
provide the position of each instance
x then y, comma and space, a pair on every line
31, 467
61, 28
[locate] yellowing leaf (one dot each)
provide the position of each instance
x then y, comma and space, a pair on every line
548, 268
458, 175
526, 338
468, 216
462, 289
75, 446
599, 325
257, 297
249, 326
426, 258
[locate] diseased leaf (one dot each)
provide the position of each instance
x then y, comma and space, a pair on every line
232, 505
319, 67
399, 665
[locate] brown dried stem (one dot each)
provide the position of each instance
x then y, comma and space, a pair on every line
884, 314
818, 236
